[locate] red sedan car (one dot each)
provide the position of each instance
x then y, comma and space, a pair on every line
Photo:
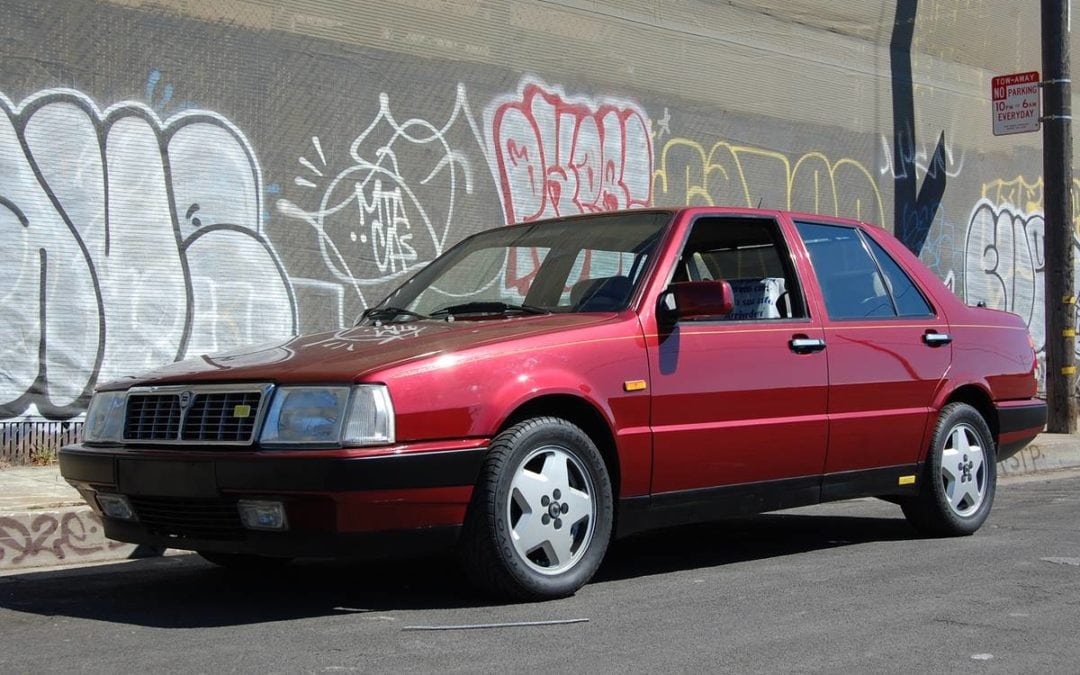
542, 388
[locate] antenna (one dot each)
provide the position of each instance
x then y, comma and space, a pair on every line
759, 202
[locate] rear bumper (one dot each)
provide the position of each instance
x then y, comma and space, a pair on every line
337, 503
1018, 424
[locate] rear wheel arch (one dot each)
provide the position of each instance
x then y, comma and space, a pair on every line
978, 398
580, 413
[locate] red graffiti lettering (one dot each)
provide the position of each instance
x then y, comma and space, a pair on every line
558, 156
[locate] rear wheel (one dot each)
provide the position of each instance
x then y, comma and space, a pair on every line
541, 514
959, 478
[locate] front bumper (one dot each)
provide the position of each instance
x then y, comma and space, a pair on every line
338, 503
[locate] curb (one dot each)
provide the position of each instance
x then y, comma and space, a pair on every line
62, 536
1048, 452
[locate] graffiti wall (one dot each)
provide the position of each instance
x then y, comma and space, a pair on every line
1004, 254
182, 178
122, 251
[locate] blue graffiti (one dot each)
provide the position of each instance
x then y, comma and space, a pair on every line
161, 104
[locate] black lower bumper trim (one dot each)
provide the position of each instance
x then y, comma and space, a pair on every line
893, 481
702, 505
386, 544
205, 476
1019, 418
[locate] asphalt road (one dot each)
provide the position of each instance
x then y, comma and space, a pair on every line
841, 587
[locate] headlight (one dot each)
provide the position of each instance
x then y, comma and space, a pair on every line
360, 415
105, 417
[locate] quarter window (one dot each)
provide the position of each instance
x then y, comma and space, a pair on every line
909, 301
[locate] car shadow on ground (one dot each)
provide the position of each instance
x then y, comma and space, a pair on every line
739, 540
183, 591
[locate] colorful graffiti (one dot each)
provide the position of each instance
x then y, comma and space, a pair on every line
152, 231
554, 155
1020, 192
726, 173
1028, 195
130, 242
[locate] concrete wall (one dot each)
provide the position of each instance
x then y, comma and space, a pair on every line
186, 176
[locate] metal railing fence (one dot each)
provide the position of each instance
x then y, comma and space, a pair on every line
24, 443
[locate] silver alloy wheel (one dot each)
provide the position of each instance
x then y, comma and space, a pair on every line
551, 509
963, 470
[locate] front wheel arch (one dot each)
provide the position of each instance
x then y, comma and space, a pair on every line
582, 414
518, 507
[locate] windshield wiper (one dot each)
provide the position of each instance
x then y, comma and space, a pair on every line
388, 313
487, 307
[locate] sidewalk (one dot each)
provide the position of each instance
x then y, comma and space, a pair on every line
44, 521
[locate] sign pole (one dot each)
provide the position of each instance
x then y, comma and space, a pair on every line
1057, 184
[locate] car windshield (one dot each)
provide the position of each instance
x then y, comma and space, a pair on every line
586, 264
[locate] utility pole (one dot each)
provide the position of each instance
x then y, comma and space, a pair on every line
1057, 198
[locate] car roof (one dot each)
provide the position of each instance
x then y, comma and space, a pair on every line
713, 210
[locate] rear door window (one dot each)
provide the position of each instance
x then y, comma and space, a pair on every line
858, 279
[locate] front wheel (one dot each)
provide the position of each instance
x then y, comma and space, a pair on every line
541, 513
959, 478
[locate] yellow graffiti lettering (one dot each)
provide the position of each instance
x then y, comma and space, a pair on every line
1027, 195
740, 175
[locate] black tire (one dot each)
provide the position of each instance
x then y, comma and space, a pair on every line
243, 562
959, 476
503, 520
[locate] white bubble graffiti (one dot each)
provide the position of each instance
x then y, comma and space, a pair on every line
130, 242
1004, 264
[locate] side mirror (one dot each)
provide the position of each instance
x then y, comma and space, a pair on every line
695, 299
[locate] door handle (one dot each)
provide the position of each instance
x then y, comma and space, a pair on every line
935, 339
800, 344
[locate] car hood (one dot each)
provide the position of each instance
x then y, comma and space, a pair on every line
353, 353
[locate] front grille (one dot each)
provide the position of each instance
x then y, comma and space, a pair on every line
216, 414
152, 417
213, 417
213, 519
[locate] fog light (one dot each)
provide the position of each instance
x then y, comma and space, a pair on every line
116, 506
259, 515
